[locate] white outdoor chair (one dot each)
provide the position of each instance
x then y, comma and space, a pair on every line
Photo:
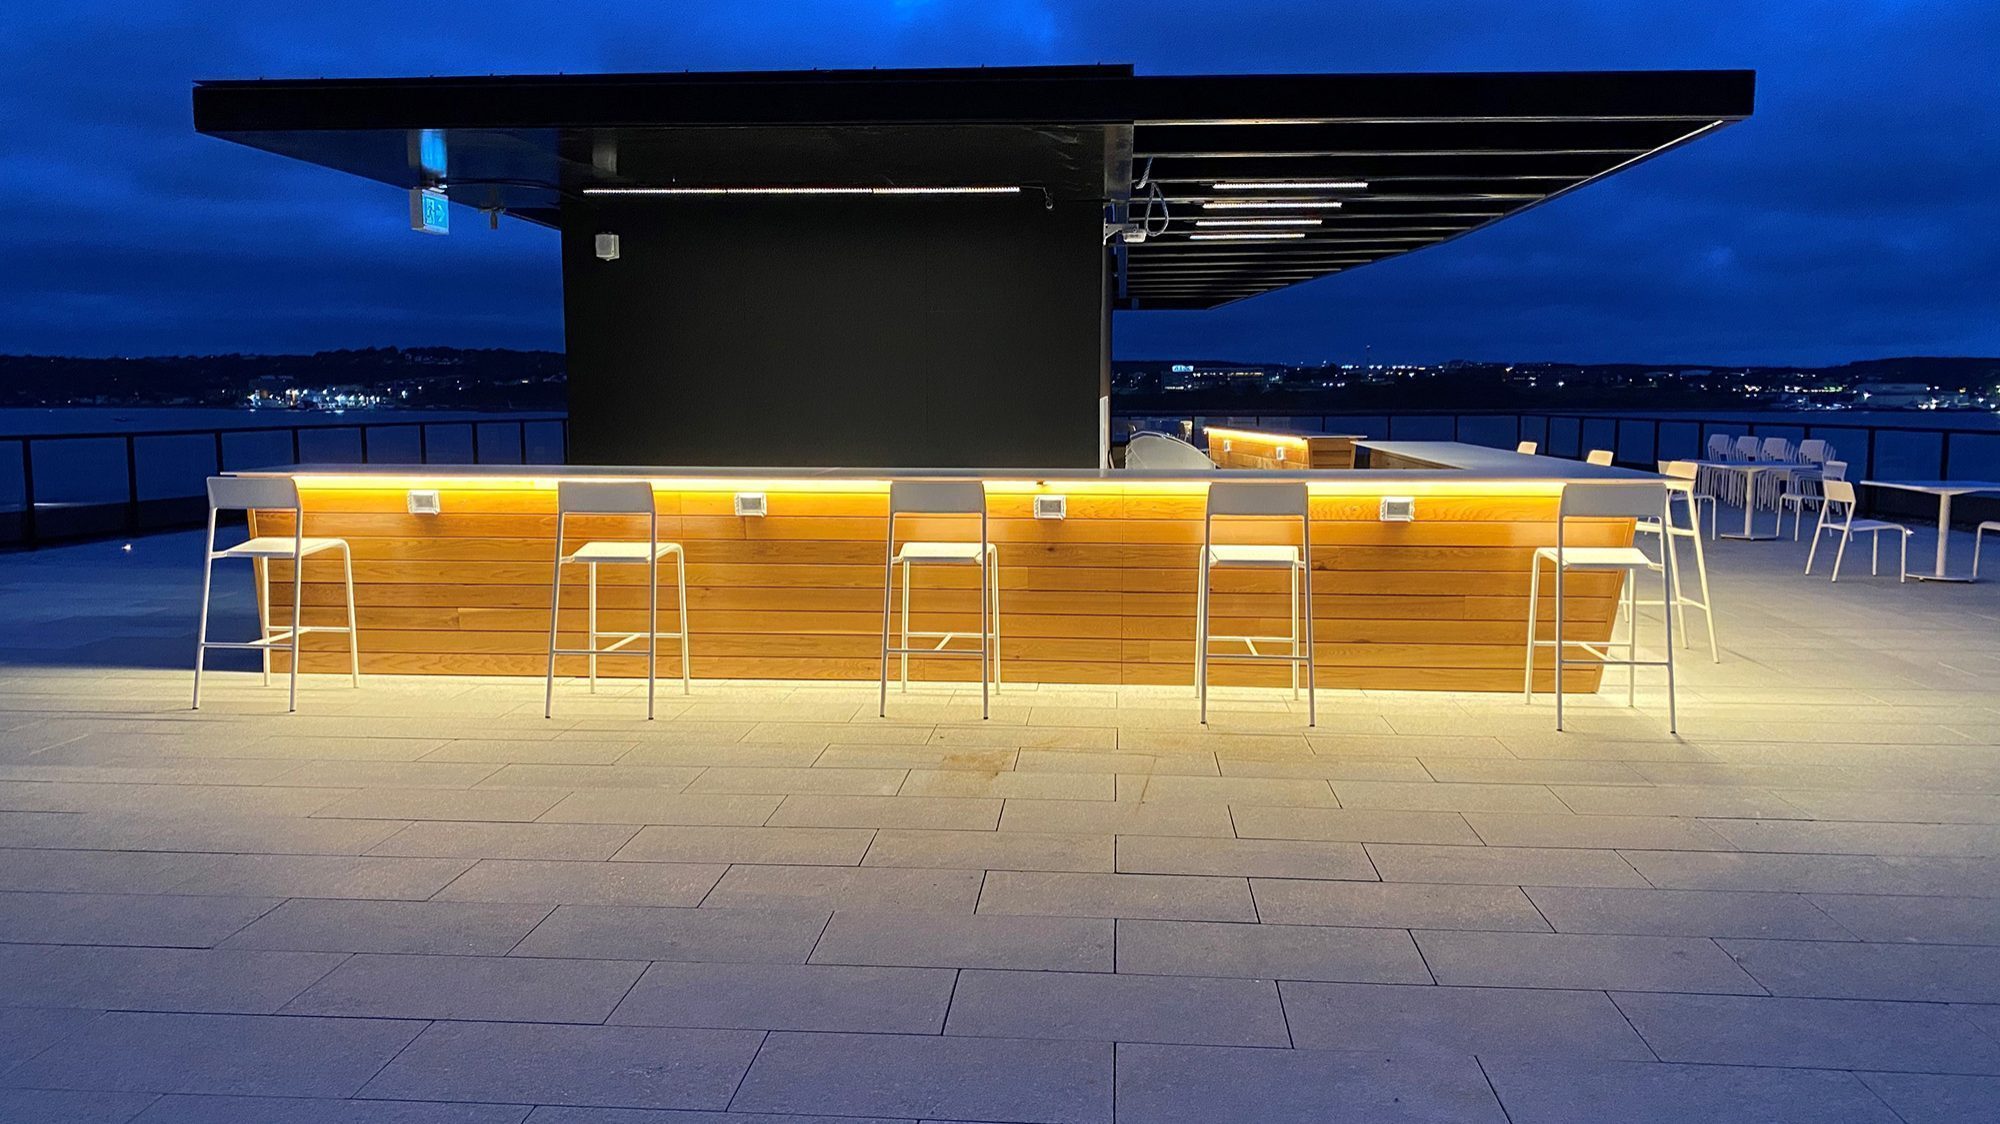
1809, 489
270, 493
1231, 500
1840, 492
942, 497
1680, 483
1721, 447
1527, 448
1774, 450
1621, 500
631, 498
1598, 457
1979, 539
1147, 449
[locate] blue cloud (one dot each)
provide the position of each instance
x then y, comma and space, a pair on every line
1850, 217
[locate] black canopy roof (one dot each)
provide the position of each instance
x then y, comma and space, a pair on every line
1316, 173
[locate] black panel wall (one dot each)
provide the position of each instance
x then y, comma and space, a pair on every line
926, 331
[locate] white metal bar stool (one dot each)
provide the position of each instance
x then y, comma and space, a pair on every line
1599, 457
1603, 501
1979, 540
270, 493
1234, 499
1527, 448
942, 497
1680, 483
1841, 493
632, 498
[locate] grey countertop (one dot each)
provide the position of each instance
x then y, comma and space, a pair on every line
1454, 460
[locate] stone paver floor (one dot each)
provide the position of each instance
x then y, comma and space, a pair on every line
421, 902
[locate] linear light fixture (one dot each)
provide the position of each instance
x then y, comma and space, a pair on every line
1257, 222
970, 189
1274, 204
1293, 185
1246, 236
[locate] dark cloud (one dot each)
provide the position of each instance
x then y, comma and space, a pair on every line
1850, 217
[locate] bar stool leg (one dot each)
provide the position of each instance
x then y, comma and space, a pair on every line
1631, 584
652, 627
987, 639
993, 555
1534, 597
201, 627
1292, 628
1559, 640
555, 609
591, 623
1201, 637
260, 572
1312, 656
353, 635
681, 590
1701, 576
888, 596
298, 606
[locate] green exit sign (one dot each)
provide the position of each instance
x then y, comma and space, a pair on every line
430, 211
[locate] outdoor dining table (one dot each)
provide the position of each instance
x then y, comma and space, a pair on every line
1750, 469
1944, 490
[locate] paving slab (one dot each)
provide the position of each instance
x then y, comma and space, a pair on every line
548, 1064
1811, 1033
1569, 960
878, 937
262, 1055
584, 883
1686, 913
435, 927
1556, 1091
483, 988
1163, 896
790, 997
713, 935
1204, 1085
1117, 1008
1396, 905
929, 1076
1267, 951
1403, 1021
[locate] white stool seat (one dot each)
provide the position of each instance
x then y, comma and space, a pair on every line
1869, 526
1243, 555
1599, 557
941, 552
279, 546
612, 551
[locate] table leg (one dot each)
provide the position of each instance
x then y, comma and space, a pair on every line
1944, 530
1938, 572
1749, 506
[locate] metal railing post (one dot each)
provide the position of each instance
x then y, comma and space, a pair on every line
29, 531
131, 483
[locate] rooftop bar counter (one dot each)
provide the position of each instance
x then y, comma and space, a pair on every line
1105, 594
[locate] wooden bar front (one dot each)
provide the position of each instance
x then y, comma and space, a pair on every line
1106, 595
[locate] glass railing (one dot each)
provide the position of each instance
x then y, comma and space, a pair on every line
56, 486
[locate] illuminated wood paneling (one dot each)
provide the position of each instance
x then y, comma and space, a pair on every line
1246, 448
1104, 596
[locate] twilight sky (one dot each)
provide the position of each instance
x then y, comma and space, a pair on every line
1852, 216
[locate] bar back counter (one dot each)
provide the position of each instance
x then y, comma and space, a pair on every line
1432, 595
